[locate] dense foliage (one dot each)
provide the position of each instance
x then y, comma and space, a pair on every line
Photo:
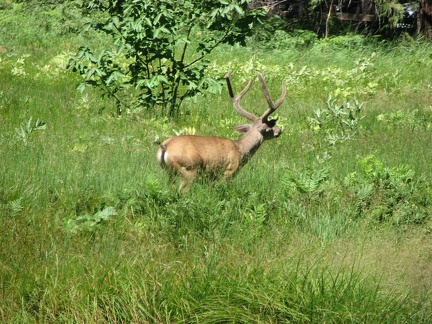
387, 18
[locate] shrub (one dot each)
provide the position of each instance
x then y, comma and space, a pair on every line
153, 51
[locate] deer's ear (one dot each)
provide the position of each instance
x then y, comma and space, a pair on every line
242, 128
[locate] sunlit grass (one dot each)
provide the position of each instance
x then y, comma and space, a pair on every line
268, 246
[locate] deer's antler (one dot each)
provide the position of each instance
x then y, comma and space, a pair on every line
272, 106
236, 99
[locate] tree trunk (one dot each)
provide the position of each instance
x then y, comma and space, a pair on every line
327, 27
424, 19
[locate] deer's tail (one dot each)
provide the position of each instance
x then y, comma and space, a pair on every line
161, 153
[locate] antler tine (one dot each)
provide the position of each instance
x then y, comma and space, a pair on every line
236, 99
272, 106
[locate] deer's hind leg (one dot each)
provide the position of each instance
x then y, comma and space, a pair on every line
188, 176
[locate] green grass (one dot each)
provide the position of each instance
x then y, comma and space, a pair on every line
93, 231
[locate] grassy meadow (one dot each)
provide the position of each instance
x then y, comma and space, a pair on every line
330, 223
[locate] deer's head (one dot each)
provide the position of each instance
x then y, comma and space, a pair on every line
262, 124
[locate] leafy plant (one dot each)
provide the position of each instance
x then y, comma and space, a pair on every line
307, 182
159, 49
88, 222
15, 207
28, 127
18, 68
413, 119
254, 219
336, 123
392, 194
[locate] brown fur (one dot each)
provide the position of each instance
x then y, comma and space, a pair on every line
189, 155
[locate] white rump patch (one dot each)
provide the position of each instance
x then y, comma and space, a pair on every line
162, 157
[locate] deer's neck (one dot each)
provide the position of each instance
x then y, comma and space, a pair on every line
249, 144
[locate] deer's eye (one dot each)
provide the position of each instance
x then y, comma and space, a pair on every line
272, 123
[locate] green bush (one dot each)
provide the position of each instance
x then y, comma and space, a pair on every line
159, 49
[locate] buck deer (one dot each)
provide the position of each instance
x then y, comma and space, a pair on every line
191, 154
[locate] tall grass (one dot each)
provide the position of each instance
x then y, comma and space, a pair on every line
93, 231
